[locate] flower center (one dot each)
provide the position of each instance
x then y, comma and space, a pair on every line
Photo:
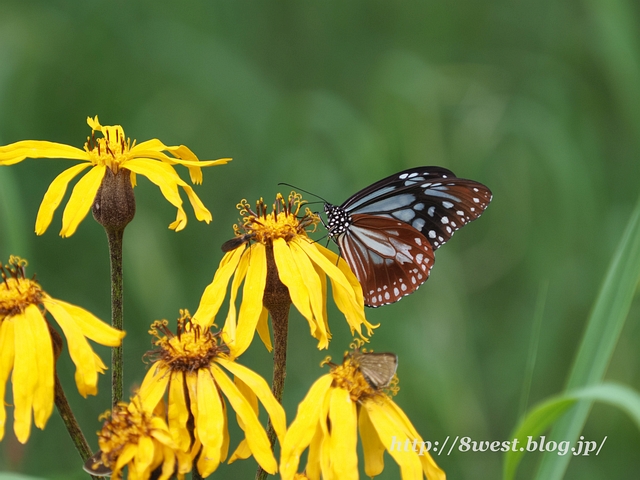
111, 150
282, 222
16, 291
191, 348
123, 426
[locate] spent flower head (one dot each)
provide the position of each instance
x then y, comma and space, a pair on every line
338, 405
188, 366
140, 440
279, 241
111, 155
27, 343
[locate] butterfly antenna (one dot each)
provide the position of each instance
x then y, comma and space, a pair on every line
305, 191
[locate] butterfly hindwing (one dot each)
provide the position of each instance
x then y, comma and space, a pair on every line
390, 258
378, 369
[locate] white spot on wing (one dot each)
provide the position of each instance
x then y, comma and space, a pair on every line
418, 223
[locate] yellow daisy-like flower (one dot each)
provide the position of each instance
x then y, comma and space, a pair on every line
26, 347
338, 405
302, 266
112, 152
140, 440
189, 367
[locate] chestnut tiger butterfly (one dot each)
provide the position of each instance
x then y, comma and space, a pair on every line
388, 231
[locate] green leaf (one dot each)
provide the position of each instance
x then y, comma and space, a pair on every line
547, 412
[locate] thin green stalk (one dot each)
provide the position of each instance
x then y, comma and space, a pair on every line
533, 348
117, 368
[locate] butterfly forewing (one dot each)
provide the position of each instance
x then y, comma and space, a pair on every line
387, 186
377, 368
430, 199
390, 258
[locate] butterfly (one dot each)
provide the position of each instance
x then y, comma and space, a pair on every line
378, 369
388, 231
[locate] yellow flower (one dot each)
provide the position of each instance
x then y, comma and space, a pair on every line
188, 367
338, 405
140, 440
26, 347
302, 266
114, 152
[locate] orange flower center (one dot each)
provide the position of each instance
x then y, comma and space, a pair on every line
16, 291
191, 348
282, 222
111, 150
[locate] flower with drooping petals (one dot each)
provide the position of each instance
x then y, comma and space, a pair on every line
280, 239
27, 349
113, 153
189, 366
338, 405
140, 440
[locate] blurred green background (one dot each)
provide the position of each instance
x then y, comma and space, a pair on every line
538, 100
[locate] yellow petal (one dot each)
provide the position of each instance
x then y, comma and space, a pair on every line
371, 445
163, 175
313, 469
169, 464
144, 456
25, 375
18, 151
391, 433
323, 284
301, 431
92, 327
202, 214
242, 452
344, 267
153, 386
126, 455
210, 423
252, 294
178, 414
79, 349
290, 276
429, 466
7, 353
192, 387
256, 436
263, 329
348, 300
344, 435
54, 195
261, 389
314, 290
43, 397
224, 449
214, 294
231, 322
82, 197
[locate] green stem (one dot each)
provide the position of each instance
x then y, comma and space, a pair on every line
69, 419
115, 254
276, 299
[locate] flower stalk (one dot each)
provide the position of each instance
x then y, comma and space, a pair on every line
114, 207
277, 301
